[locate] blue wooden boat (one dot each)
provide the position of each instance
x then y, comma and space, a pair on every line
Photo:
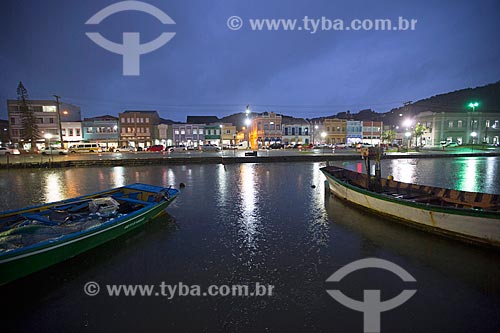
37, 237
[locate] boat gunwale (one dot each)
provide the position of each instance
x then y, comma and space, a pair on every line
424, 206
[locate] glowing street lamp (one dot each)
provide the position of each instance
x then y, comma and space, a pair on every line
323, 136
473, 105
407, 123
408, 135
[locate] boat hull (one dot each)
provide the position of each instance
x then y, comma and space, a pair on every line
16, 265
467, 226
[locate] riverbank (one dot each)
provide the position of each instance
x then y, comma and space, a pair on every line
262, 157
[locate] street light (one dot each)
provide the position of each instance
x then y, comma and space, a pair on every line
473, 135
323, 136
473, 106
407, 123
48, 136
408, 135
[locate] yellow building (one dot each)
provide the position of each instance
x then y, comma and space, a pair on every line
335, 130
265, 129
228, 134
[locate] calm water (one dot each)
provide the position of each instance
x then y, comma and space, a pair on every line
241, 224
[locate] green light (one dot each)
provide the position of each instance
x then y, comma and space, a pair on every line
473, 105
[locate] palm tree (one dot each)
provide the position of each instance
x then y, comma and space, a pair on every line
419, 131
388, 136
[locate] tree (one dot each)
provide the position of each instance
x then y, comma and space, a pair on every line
29, 131
419, 131
388, 136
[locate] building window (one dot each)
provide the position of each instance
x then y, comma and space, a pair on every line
450, 124
195, 131
70, 131
147, 120
123, 120
200, 131
487, 123
459, 124
12, 121
176, 132
77, 132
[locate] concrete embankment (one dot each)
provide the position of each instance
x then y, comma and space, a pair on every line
109, 162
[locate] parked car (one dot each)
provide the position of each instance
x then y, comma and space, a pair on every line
451, 144
155, 148
210, 147
125, 148
364, 145
277, 146
191, 148
9, 151
177, 149
53, 151
340, 146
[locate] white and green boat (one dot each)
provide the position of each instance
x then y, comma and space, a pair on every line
469, 216
37, 237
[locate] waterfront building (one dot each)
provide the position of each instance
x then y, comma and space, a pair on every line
459, 127
4, 132
72, 132
354, 132
372, 131
213, 134
336, 130
102, 130
295, 131
316, 128
48, 120
188, 134
228, 134
265, 129
138, 128
165, 137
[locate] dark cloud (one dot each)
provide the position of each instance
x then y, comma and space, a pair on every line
209, 69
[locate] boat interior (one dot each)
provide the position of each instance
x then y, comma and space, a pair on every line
418, 193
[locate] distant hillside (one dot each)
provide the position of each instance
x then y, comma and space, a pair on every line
487, 96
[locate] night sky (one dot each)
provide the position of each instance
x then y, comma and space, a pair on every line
208, 69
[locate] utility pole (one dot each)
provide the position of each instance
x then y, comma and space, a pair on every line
59, 120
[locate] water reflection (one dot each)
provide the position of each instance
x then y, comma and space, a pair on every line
118, 176
468, 175
404, 170
249, 224
53, 187
318, 220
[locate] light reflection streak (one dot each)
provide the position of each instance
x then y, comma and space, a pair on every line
318, 227
53, 188
118, 176
468, 175
222, 183
404, 170
248, 222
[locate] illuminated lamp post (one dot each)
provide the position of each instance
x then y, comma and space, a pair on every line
473, 136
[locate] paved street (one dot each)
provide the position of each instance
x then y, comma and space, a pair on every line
37, 158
